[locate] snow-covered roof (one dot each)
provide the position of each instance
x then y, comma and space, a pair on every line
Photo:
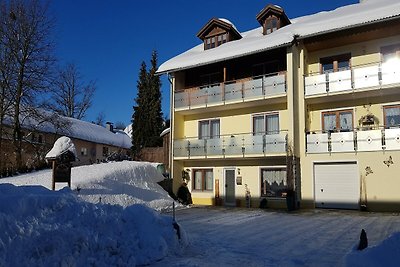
254, 41
74, 128
62, 145
166, 131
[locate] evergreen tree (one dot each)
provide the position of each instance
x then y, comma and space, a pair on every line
147, 118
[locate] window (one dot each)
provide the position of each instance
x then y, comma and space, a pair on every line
215, 41
271, 25
273, 182
392, 116
209, 129
266, 124
340, 121
335, 63
105, 151
83, 151
390, 52
203, 180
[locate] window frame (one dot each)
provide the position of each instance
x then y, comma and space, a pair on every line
337, 114
210, 129
335, 62
268, 24
215, 40
265, 115
203, 172
384, 115
262, 189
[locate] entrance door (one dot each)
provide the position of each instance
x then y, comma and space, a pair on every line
230, 187
337, 185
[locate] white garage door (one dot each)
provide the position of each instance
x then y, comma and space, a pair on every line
337, 185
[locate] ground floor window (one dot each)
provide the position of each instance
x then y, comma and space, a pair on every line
273, 182
203, 179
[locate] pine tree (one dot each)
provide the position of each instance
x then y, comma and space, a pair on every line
147, 118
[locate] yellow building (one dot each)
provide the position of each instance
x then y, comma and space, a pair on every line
308, 107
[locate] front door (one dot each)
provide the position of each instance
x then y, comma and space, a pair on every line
230, 187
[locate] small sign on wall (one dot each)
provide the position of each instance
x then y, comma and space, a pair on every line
239, 180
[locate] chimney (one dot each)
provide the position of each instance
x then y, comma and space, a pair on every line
110, 126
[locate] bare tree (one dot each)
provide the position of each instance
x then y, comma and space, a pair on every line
26, 31
100, 119
72, 96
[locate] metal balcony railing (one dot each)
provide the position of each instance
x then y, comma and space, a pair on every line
378, 75
259, 87
235, 145
358, 140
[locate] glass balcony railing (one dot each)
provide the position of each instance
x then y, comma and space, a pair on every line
230, 92
236, 145
353, 141
371, 76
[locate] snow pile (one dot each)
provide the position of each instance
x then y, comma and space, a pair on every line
385, 254
123, 183
61, 145
45, 228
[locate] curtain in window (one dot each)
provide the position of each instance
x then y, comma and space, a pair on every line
197, 180
278, 176
392, 116
258, 125
204, 130
209, 180
346, 120
272, 124
214, 129
329, 122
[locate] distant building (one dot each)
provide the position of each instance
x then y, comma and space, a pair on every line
93, 143
308, 106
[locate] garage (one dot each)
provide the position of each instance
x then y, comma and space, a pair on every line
337, 185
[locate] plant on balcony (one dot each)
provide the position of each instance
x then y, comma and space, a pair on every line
368, 122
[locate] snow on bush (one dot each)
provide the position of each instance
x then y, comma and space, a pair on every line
40, 227
387, 253
123, 183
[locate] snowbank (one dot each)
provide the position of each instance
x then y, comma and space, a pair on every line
45, 228
123, 183
386, 254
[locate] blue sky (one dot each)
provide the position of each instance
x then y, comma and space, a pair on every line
108, 39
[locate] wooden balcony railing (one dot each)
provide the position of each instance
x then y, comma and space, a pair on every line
235, 145
254, 88
353, 141
379, 75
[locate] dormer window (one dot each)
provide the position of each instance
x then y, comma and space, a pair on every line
271, 24
217, 32
272, 18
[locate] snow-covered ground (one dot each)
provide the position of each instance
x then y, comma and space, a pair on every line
76, 228
40, 227
123, 183
251, 237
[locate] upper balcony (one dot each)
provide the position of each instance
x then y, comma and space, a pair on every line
357, 140
356, 79
232, 146
270, 86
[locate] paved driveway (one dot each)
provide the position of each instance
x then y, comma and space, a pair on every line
254, 237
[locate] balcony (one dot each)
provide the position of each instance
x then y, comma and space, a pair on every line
238, 91
353, 141
231, 146
376, 76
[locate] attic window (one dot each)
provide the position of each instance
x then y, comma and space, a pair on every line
217, 32
271, 25
272, 17
215, 41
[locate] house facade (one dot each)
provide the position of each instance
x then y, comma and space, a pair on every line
308, 107
93, 143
